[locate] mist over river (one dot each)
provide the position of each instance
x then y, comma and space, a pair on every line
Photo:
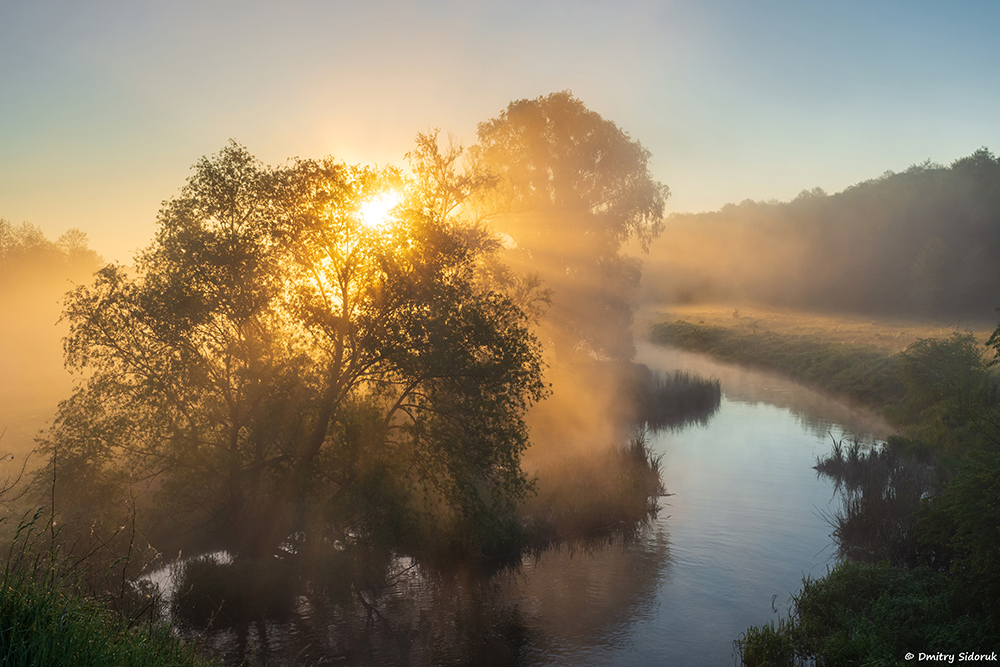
745, 522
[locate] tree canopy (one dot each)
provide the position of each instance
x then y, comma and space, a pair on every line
273, 362
572, 188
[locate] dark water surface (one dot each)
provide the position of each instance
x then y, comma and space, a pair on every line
745, 523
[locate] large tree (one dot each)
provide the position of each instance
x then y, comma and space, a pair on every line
573, 188
275, 366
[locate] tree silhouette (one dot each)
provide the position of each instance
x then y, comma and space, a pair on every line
573, 187
275, 368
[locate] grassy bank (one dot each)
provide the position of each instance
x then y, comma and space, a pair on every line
46, 620
870, 614
919, 531
859, 371
886, 335
862, 359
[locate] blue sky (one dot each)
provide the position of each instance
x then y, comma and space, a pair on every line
104, 106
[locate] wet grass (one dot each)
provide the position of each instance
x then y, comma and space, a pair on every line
47, 620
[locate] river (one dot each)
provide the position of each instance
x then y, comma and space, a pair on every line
746, 521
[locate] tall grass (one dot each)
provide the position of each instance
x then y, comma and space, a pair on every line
673, 401
882, 487
614, 490
46, 620
868, 614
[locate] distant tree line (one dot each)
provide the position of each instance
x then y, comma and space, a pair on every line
30, 260
921, 242
35, 274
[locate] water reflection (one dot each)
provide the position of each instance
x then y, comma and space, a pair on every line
818, 412
571, 600
747, 519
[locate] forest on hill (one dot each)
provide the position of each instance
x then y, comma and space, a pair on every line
923, 243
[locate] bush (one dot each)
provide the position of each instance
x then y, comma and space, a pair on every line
869, 614
960, 529
947, 393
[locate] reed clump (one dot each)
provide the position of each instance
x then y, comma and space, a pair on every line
670, 401
882, 487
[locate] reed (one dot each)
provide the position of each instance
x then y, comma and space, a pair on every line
671, 401
612, 491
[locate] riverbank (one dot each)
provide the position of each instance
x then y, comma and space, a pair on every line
914, 558
884, 335
872, 363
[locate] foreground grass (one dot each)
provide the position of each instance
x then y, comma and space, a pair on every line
46, 621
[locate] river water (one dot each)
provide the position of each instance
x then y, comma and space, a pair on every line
746, 521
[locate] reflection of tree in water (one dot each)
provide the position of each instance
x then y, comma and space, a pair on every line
563, 601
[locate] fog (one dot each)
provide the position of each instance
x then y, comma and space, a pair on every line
920, 243
35, 273
881, 247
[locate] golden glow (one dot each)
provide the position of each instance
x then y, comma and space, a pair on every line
376, 212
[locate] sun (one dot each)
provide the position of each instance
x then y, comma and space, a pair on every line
376, 211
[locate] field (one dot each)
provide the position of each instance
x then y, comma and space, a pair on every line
885, 335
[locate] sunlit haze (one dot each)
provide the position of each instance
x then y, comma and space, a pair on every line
647, 332
106, 105
375, 212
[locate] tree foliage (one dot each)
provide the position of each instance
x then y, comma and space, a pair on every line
572, 188
273, 364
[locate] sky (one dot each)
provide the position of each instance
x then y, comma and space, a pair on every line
106, 105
